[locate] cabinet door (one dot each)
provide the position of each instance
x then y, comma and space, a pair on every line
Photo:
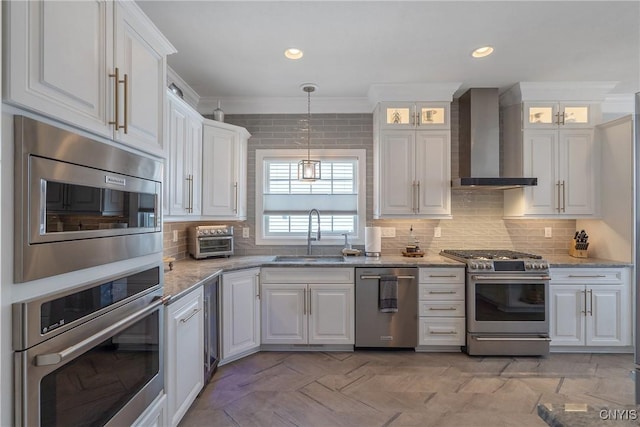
179, 171
59, 59
331, 314
576, 115
433, 172
194, 151
540, 161
155, 415
432, 115
240, 312
139, 58
540, 115
220, 196
185, 348
567, 308
397, 115
608, 316
284, 314
397, 184
576, 172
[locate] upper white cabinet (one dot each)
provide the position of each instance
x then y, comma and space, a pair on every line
63, 58
183, 176
412, 161
410, 115
553, 142
224, 179
553, 115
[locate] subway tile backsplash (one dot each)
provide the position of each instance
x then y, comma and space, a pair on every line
477, 215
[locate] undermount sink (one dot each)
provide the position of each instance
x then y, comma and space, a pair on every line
309, 258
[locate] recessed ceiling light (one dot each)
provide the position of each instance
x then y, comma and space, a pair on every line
481, 52
293, 53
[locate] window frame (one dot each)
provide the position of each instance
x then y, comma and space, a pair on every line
356, 237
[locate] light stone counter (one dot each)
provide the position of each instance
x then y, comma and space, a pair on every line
187, 274
567, 261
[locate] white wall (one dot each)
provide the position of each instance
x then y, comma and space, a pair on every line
612, 237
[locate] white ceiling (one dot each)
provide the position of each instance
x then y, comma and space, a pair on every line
233, 50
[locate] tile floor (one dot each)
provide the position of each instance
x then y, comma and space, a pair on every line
375, 388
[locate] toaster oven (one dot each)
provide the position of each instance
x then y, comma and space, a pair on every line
205, 241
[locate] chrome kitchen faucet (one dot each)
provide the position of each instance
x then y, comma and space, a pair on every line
309, 238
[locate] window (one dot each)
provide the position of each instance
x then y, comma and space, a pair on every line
283, 203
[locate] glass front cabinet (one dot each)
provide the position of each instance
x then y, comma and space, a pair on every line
538, 115
410, 115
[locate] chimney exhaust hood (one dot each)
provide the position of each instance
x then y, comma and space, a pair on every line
479, 149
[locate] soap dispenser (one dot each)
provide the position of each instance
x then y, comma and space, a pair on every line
348, 250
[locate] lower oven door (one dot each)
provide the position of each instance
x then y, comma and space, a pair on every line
104, 372
508, 304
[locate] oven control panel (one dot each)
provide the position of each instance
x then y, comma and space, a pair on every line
507, 265
214, 230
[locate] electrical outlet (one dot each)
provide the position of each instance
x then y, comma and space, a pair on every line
388, 232
175, 236
245, 232
437, 232
547, 232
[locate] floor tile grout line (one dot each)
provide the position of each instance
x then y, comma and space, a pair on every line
316, 400
344, 387
392, 419
560, 384
231, 418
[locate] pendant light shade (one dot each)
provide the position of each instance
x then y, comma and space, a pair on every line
308, 170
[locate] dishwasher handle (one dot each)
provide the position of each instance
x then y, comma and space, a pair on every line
378, 277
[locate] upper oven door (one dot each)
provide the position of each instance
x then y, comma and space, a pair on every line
71, 202
509, 303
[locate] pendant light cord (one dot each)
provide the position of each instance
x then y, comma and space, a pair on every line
308, 125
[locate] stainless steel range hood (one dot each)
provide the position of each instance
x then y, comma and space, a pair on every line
479, 149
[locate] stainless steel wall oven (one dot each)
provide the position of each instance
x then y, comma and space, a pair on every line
92, 355
79, 202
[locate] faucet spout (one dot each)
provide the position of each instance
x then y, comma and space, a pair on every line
309, 238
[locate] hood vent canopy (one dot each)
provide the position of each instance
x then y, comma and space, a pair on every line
479, 149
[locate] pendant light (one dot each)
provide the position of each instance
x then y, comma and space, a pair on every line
308, 170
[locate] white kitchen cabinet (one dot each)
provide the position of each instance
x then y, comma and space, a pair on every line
308, 306
411, 115
155, 415
590, 308
240, 314
566, 165
183, 176
555, 115
412, 174
63, 58
441, 309
185, 353
224, 179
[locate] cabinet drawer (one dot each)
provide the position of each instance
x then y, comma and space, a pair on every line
441, 308
442, 275
439, 292
587, 275
441, 331
306, 275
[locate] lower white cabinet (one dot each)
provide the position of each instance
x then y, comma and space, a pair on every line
308, 306
590, 307
240, 313
185, 354
155, 415
441, 307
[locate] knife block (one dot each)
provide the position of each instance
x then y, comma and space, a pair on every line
578, 253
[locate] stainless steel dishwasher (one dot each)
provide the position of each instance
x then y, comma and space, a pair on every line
377, 329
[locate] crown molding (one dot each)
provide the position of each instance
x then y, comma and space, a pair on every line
619, 103
283, 105
411, 92
564, 91
191, 97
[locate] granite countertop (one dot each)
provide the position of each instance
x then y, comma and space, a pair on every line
187, 274
583, 415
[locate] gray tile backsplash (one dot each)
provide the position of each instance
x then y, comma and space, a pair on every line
477, 215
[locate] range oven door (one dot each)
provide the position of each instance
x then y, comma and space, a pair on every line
508, 304
106, 371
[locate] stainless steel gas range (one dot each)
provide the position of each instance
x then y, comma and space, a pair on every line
507, 300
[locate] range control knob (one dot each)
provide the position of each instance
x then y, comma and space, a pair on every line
528, 266
474, 265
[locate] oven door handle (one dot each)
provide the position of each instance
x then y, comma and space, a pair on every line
88, 343
516, 278
513, 339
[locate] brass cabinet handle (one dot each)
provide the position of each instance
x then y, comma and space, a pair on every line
125, 82
557, 118
189, 207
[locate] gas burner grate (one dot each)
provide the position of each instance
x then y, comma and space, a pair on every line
488, 254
